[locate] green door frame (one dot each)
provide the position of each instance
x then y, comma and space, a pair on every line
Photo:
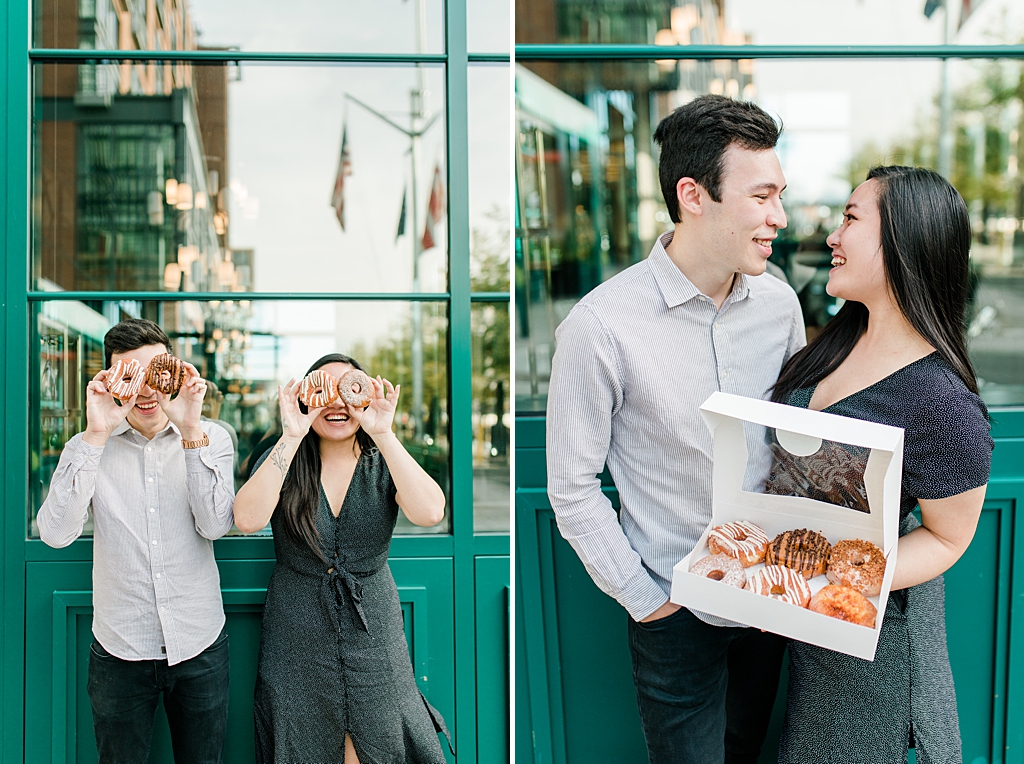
479, 562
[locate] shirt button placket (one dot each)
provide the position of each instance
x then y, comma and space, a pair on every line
155, 548
721, 342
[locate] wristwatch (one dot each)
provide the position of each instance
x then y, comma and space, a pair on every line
196, 443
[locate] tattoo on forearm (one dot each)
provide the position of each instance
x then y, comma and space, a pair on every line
277, 457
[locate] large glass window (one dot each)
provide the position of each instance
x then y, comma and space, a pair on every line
392, 26
241, 177
245, 349
490, 189
590, 203
268, 191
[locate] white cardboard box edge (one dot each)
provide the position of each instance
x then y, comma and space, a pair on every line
725, 414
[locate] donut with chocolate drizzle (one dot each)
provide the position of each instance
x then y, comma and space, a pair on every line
803, 550
166, 374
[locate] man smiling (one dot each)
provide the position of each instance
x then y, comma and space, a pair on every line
634, 361
159, 485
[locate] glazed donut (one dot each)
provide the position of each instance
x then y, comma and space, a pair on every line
857, 564
125, 379
742, 540
802, 550
318, 389
356, 388
720, 567
166, 374
844, 603
781, 583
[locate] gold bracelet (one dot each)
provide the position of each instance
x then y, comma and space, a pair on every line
196, 443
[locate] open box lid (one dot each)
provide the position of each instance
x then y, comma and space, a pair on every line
801, 431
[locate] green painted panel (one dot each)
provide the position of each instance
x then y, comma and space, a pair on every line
1007, 423
492, 665
59, 623
973, 589
595, 666
576, 627
523, 713
531, 468
1008, 458
530, 432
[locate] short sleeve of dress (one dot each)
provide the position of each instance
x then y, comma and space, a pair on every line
947, 446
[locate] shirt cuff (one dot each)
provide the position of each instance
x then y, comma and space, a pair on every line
85, 455
642, 597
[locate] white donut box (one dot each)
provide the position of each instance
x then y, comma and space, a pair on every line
800, 431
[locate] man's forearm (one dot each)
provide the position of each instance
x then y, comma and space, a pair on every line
210, 486
62, 516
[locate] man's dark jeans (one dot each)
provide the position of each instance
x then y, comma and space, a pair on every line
124, 697
705, 692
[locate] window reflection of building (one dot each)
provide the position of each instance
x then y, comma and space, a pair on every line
590, 202
138, 199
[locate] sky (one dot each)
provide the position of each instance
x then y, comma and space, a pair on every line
285, 133
831, 108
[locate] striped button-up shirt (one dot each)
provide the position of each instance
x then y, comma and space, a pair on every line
634, 360
156, 509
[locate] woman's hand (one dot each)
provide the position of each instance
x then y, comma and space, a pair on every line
102, 414
184, 411
294, 423
376, 419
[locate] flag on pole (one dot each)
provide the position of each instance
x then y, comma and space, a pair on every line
401, 219
435, 210
344, 170
966, 8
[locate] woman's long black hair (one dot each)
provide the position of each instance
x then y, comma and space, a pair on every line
300, 494
926, 241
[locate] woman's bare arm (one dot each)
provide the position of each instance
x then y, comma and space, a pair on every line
947, 527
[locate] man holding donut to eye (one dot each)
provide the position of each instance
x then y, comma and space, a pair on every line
635, 359
158, 483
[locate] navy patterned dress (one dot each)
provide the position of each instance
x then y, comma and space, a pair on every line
333, 656
845, 710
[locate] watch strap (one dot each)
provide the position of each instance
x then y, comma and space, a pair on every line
196, 443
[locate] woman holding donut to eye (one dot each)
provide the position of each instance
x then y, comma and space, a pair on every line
335, 682
896, 354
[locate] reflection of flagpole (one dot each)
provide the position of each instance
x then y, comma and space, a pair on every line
415, 132
946, 137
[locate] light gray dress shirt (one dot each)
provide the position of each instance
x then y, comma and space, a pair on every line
634, 360
156, 509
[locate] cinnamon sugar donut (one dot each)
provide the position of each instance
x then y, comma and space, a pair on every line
844, 603
781, 583
356, 388
125, 379
318, 389
166, 374
858, 564
720, 567
802, 550
742, 540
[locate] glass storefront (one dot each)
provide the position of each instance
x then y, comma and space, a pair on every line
245, 349
590, 204
269, 178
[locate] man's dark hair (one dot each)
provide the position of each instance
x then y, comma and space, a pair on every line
694, 137
132, 334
